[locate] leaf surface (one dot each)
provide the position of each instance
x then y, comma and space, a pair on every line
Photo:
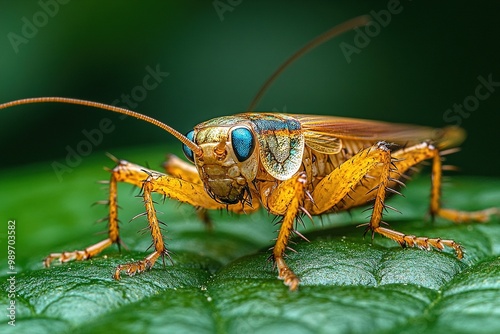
221, 280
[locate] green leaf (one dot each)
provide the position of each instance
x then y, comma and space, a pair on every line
221, 280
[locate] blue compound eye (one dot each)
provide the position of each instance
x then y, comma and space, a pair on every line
243, 143
187, 151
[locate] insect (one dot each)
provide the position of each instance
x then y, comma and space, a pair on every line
291, 165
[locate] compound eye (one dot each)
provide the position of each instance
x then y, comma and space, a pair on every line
187, 151
243, 143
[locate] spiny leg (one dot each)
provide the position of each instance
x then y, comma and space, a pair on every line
175, 188
384, 169
154, 227
287, 200
387, 171
337, 187
409, 157
452, 214
179, 168
113, 228
127, 172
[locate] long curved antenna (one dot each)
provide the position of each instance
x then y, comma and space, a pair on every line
335, 31
195, 148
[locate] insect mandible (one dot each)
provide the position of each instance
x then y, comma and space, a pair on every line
292, 165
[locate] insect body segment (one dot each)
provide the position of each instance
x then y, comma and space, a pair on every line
228, 162
281, 143
224, 168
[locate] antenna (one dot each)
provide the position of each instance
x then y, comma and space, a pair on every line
195, 148
324, 37
335, 31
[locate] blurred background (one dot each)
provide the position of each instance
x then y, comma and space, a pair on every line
218, 53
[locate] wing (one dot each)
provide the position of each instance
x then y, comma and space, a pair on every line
327, 134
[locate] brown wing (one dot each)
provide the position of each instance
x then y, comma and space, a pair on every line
326, 133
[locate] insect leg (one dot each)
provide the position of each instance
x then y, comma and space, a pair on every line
452, 214
392, 167
287, 200
181, 169
123, 172
154, 227
135, 174
175, 188
408, 157
341, 188
188, 172
335, 188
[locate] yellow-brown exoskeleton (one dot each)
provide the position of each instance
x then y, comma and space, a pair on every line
291, 165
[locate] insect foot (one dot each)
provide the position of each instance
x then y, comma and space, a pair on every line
287, 275
65, 257
78, 255
481, 216
137, 267
420, 242
132, 268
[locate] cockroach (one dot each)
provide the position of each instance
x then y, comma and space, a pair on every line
292, 165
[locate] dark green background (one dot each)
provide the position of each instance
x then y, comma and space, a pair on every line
424, 61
